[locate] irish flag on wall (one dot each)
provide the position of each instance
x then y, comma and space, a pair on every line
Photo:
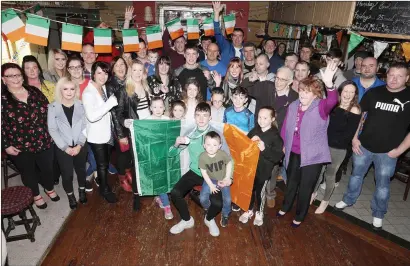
175, 28
154, 37
72, 37
102, 40
11, 25
130, 40
229, 21
192, 28
37, 29
208, 26
158, 170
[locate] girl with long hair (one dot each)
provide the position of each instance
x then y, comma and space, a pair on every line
57, 59
191, 96
233, 77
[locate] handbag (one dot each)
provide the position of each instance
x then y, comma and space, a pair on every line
124, 147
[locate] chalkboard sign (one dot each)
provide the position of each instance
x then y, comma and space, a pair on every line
382, 17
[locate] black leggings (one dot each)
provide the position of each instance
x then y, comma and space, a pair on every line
303, 179
27, 162
67, 163
184, 186
102, 158
258, 192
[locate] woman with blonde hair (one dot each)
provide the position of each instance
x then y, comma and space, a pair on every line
66, 123
133, 103
57, 59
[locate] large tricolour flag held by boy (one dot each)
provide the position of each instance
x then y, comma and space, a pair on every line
175, 28
158, 170
11, 25
154, 37
37, 29
229, 21
72, 37
192, 28
130, 40
102, 40
208, 26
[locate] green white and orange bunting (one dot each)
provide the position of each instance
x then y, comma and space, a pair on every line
11, 25
130, 40
72, 37
175, 28
192, 28
37, 29
154, 37
229, 21
208, 26
102, 40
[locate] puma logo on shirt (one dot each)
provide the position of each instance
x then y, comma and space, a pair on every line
391, 107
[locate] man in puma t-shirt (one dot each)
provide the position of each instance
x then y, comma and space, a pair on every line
384, 138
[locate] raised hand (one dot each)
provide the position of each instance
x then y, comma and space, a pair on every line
217, 77
328, 74
129, 11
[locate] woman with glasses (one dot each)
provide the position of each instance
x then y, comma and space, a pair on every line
304, 133
25, 136
56, 65
164, 83
75, 67
33, 76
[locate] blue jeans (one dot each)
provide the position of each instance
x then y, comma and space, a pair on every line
226, 198
384, 167
164, 199
93, 165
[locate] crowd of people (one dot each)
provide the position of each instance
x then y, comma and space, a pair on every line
306, 121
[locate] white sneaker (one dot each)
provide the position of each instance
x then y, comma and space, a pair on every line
336, 184
377, 223
313, 197
244, 218
213, 227
340, 205
323, 186
181, 226
258, 219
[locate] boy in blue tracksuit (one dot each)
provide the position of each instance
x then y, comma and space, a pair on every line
238, 114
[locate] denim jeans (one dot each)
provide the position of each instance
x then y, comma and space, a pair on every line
226, 198
164, 199
384, 167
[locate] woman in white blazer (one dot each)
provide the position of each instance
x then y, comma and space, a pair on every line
99, 131
66, 123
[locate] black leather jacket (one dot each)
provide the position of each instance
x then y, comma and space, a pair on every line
113, 87
175, 89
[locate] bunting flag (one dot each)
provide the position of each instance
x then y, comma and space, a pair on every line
354, 41
130, 40
329, 39
208, 26
154, 37
11, 25
175, 28
313, 34
299, 33
339, 36
406, 50
102, 40
379, 48
72, 37
276, 27
192, 28
158, 166
37, 29
229, 21
308, 29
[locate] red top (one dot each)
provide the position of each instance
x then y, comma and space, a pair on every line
83, 86
89, 38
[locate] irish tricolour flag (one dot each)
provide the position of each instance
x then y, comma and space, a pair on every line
208, 26
37, 29
192, 28
102, 40
175, 28
130, 40
229, 21
11, 25
158, 167
72, 37
154, 37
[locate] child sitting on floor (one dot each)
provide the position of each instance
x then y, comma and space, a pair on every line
217, 168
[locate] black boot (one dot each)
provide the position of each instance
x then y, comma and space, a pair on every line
82, 195
72, 201
136, 202
105, 190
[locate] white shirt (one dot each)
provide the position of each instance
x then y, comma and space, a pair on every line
217, 114
163, 117
237, 52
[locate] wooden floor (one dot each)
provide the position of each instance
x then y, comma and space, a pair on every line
103, 234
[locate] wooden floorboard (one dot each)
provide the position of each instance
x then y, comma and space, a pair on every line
102, 234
